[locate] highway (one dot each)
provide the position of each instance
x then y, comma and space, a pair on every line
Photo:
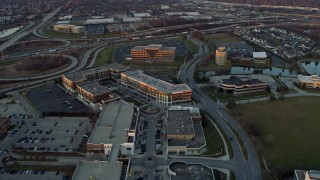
15, 38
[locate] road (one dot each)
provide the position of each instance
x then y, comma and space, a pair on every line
6, 38
242, 168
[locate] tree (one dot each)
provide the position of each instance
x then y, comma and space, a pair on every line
270, 139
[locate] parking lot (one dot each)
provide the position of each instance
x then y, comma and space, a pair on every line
52, 134
31, 175
122, 52
239, 49
54, 99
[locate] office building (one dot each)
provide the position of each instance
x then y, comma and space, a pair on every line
154, 52
73, 79
184, 131
92, 93
163, 93
67, 28
241, 85
221, 56
312, 81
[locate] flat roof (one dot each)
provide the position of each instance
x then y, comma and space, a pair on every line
259, 54
94, 88
98, 170
314, 174
114, 121
99, 21
236, 80
179, 122
154, 47
192, 110
81, 75
158, 84
183, 13
197, 142
309, 79
141, 14
299, 174
186, 171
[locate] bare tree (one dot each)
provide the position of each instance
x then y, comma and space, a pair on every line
270, 139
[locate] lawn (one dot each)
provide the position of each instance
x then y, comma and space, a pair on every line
104, 57
223, 38
294, 124
213, 139
193, 48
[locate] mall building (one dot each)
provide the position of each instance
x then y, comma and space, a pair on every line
114, 133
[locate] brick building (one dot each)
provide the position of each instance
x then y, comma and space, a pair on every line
154, 52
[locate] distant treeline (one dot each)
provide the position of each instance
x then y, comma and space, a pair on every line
300, 3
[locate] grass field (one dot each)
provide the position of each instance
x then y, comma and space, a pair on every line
294, 123
223, 38
193, 48
213, 139
104, 57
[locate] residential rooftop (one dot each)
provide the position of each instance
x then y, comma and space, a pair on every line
83, 74
113, 123
97, 169
158, 84
94, 88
